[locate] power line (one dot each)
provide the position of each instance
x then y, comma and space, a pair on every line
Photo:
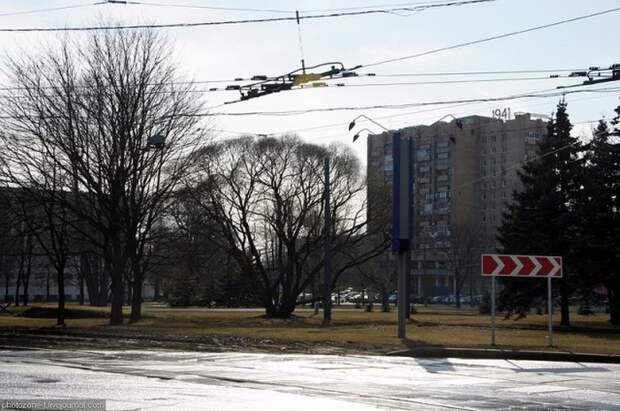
192, 6
75, 6
496, 37
232, 22
416, 3
405, 105
404, 122
314, 87
467, 73
364, 75
419, 83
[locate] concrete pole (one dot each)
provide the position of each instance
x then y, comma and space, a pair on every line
402, 300
327, 278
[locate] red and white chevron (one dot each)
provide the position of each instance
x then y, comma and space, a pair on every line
521, 265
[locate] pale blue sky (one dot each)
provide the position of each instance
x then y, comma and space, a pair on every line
224, 52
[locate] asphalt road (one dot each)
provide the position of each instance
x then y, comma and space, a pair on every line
161, 380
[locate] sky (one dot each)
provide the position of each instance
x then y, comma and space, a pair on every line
226, 52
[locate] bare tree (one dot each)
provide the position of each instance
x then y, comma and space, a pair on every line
462, 257
267, 194
111, 110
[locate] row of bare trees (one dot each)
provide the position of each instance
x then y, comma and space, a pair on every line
104, 153
96, 134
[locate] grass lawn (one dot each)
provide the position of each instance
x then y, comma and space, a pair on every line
431, 326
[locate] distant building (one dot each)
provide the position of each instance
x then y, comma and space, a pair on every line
465, 172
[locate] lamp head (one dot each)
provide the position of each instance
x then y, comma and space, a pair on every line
351, 125
156, 141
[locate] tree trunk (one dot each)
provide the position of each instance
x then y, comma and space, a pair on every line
564, 301
25, 283
613, 293
117, 291
47, 288
136, 297
18, 283
117, 277
81, 298
156, 288
7, 280
284, 311
128, 288
385, 300
457, 291
60, 320
26, 279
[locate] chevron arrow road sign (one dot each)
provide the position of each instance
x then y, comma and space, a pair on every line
502, 265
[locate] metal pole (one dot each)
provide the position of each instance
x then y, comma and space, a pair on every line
301, 45
402, 300
408, 283
550, 311
493, 311
327, 278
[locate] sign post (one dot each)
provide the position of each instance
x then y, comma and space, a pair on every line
524, 266
493, 311
550, 310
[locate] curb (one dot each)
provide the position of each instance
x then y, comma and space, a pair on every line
500, 354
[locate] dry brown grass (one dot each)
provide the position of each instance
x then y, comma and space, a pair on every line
438, 326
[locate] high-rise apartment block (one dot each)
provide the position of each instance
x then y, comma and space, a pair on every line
464, 174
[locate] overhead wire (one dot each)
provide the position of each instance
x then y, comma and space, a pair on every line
555, 93
403, 123
233, 22
419, 83
415, 3
466, 73
193, 6
495, 37
328, 85
48, 9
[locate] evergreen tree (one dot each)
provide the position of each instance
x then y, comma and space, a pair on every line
601, 222
541, 219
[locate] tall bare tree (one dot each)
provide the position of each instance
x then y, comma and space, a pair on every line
267, 194
462, 256
112, 111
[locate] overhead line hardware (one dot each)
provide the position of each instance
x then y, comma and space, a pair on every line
597, 75
269, 85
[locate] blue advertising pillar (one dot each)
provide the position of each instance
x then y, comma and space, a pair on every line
402, 221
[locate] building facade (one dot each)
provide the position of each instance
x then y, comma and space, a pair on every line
464, 174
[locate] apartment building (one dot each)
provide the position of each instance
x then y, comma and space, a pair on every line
464, 174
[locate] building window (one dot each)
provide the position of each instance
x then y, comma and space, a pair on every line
422, 155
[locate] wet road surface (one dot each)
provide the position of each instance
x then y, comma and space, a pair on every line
162, 380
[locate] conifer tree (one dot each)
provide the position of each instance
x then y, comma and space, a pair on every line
541, 219
601, 212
